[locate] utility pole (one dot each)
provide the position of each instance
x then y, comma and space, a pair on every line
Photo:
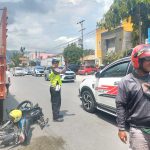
81, 23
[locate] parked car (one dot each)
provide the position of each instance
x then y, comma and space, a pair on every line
32, 70
85, 70
27, 71
74, 67
18, 71
68, 76
38, 71
47, 71
94, 68
99, 91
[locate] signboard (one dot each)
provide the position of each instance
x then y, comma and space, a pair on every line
149, 35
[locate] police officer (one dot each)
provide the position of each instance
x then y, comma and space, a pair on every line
55, 90
133, 101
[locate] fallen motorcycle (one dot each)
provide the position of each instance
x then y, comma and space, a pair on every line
16, 130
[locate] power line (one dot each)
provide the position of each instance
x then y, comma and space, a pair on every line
74, 40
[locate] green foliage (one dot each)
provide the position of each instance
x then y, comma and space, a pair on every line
88, 52
32, 63
15, 58
72, 54
127, 53
11, 65
110, 57
139, 10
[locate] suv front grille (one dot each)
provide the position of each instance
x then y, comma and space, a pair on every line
69, 77
69, 73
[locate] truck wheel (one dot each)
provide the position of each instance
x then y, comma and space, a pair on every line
88, 101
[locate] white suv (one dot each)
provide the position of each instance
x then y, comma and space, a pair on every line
68, 76
100, 91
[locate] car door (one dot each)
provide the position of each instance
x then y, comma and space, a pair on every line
107, 85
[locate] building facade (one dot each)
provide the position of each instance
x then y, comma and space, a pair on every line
118, 39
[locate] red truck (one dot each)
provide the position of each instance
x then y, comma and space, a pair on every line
3, 37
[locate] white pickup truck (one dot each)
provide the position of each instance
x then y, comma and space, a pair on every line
99, 91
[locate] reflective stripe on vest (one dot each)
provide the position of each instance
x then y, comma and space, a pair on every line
54, 79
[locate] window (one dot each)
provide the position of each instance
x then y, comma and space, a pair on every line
130, 68
118, 70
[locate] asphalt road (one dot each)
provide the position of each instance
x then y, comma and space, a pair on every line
79, 131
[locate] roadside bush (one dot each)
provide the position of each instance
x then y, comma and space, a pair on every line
110, 57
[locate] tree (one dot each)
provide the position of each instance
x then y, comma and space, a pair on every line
88, 52
110, 57
15, 58
72, 54
122, 9
32, 63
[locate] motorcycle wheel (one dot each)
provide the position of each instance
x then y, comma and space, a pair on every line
25, 105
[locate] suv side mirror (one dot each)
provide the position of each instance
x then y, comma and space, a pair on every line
97, 74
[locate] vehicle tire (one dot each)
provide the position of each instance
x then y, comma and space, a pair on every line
88, 101
25, 105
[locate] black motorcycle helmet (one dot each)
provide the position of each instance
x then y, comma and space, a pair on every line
55, 61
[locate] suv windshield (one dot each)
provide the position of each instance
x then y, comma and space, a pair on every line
39, 68
18, 68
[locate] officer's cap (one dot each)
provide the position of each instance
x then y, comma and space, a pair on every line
54, 61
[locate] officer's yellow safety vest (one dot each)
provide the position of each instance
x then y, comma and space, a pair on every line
55, 79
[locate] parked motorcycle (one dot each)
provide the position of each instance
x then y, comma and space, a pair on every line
16, 130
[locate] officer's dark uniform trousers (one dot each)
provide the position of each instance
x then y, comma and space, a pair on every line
56, 101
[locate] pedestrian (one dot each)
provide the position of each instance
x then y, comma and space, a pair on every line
133, 101
55, 89
7, 79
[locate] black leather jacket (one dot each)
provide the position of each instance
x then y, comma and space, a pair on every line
132, 105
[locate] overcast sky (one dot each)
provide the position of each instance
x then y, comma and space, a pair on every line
46, 24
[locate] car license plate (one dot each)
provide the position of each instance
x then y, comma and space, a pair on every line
70, 77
